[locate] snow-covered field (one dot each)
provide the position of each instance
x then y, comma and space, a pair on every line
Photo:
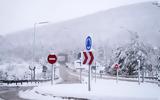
100, 90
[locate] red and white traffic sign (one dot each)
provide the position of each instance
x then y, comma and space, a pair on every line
116, 66
89, 58
117, 70
52, 58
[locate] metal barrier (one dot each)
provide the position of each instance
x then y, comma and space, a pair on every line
22, 81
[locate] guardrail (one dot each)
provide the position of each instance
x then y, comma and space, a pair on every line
132, 78
22, 81
136, 76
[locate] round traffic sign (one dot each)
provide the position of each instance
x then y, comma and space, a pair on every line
88, 43
116, 66
52, 58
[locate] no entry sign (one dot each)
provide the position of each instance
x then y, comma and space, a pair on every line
52, 58
116, 66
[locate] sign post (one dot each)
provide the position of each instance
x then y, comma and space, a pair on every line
32, 68
52, 58
95, 72
139, 64
80, 73
31, 72
88, 44
117, 69
52, 75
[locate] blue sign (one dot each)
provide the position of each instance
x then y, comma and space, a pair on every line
88, 43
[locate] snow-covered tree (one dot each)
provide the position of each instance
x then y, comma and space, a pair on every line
128, 54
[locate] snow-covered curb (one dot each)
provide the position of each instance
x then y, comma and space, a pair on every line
101, 90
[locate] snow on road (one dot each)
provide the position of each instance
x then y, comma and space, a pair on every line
101, 90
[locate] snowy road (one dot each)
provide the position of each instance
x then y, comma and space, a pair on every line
11, 92
67, 76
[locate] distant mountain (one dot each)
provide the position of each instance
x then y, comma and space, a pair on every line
107, 28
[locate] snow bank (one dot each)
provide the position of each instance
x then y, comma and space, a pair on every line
101, 90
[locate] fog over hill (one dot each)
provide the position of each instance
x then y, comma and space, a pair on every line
107, 28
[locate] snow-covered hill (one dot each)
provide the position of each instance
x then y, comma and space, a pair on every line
107, 28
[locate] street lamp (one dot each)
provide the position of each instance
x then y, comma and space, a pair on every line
34, 40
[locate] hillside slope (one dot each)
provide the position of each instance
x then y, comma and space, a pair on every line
107, 28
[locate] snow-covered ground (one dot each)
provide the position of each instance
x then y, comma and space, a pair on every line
100, 90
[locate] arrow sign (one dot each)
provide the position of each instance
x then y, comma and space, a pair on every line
89, 58
85, 57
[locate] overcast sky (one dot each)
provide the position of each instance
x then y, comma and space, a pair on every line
16, 15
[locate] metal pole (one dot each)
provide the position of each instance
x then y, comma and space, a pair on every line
158, 76
54, 72
52, 75
138, 72
95, 74
34, 39
143, 75
117, 76
80, 75
158, 79
34, 42
34, 73
44, 75
80, 71
89, 79
31, 74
